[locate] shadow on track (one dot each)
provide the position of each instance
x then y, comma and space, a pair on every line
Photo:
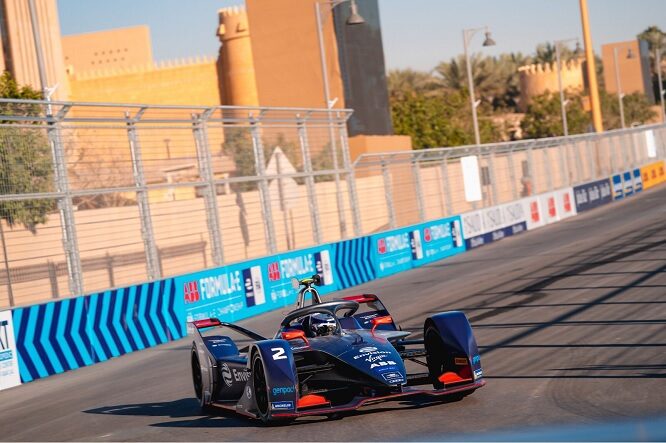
189, 410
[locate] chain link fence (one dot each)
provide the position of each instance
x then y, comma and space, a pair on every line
95, 196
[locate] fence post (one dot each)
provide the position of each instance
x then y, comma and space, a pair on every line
147, 233
309, 180
547, 167
611, 155
564, 171
512, 175
351, 178
386, 176
264, 193
65, 204
336, 166
590, 159
446, 185
416, 172
491, 167
530, 169
579, 163
205, 163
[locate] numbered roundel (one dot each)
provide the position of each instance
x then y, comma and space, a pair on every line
226, 375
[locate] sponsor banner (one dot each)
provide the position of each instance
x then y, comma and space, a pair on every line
241, 290
493, 223
472, 223
593, 194
618, 187
440, 239
496, 235
653, 174
532, 208
9, 365
416, 245
627, 183
638, 182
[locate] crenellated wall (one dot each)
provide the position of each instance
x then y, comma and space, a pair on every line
536, 79
170, 82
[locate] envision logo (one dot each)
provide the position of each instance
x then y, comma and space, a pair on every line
226, 375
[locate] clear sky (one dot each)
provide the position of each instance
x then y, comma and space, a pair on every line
417, 33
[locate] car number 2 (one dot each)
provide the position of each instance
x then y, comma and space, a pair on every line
278, 353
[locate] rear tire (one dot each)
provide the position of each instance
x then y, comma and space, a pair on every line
196, 376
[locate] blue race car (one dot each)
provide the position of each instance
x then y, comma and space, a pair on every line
330, 357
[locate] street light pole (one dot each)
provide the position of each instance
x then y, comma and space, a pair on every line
661, 88
354, 19
620, 94
468, 34
563, 103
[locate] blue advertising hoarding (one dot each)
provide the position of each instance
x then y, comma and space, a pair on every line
593, 194
242, 290
413, 246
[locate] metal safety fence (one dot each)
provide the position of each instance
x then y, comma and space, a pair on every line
95, 196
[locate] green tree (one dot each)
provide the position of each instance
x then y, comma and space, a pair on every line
636, 110
442, 120
402, 82
543, 117
25, 161
238, 146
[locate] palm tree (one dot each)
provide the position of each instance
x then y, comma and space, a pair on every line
408, 81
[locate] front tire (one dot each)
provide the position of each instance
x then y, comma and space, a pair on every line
260, 388
436, 356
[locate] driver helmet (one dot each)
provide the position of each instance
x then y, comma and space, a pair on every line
322, 324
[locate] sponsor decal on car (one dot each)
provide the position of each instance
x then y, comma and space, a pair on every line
476, 359
226, 375
283, 390
382, 363
460, 361
248, 392
371, 354
393, 377
282, 405
478, 374
243, 375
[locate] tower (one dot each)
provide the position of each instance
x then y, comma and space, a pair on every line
18, 54
235, 63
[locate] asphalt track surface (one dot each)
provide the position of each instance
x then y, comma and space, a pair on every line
570, 319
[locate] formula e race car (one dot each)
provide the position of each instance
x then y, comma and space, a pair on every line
330, 357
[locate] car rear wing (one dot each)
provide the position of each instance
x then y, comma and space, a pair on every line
215, 323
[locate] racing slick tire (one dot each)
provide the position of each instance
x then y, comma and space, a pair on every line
436, 355
261, 393
196, 380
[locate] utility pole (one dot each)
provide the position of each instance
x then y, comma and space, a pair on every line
591, 70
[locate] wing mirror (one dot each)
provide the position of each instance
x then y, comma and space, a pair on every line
316, 279
386, 320
293, 335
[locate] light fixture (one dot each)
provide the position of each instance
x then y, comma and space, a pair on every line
577, 51
488, 41
355, 18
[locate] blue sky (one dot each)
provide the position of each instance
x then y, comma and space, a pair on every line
417, 33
